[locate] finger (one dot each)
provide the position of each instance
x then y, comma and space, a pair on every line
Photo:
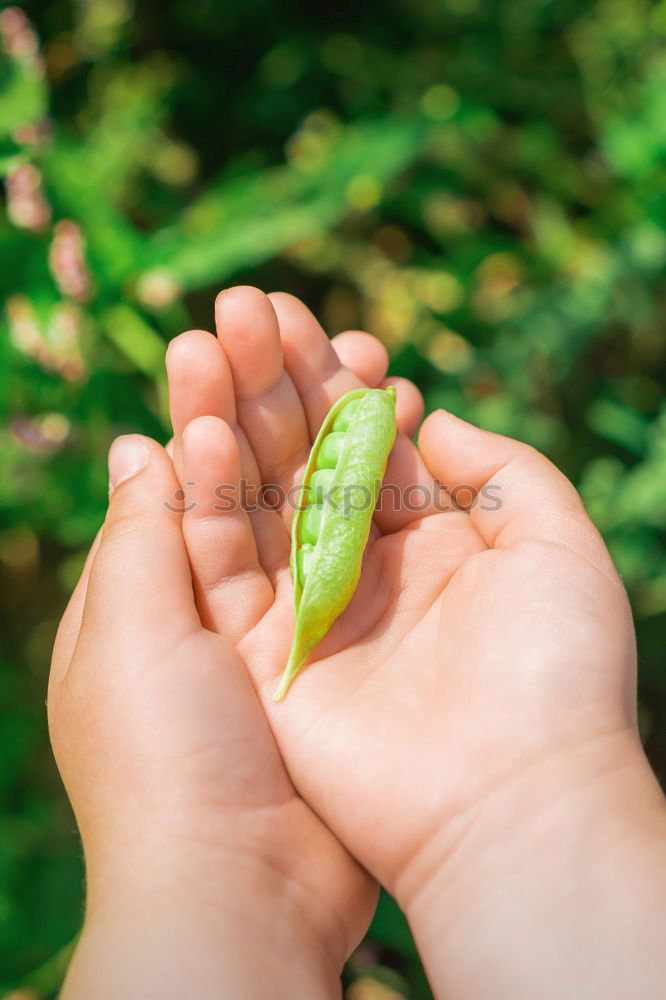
320, 379
363, 354
519, 493
70, 623
140, 576
200, 379
311, 360
367, 357
231, 588
200, 384
409, 405
268, 407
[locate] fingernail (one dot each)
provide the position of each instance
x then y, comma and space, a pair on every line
128, 455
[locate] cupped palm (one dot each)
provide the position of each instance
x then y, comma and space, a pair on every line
479, 644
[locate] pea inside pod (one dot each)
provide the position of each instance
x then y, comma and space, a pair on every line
331, 526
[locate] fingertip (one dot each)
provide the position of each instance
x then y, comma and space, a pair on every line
141, 553
296, 321
208, 429
409, 405
200, 379
439, 424
309, 358
363, 354
284, 300
128, 455
248, 330
233, 292
439, 417
427, 428
458, 452
142, 482
240, 301
186, 346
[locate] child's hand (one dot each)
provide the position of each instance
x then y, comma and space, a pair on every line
207, 875
467, 728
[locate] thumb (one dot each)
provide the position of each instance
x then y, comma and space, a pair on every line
140, 575
521, 494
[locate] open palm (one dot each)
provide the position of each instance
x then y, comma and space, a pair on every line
478, 645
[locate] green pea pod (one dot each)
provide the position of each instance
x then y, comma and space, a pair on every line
331, 525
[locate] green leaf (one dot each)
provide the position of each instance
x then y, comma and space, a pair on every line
246, 221
619, 424
23, 96
135, 338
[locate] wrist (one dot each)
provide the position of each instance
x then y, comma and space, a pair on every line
224, 925
541, 891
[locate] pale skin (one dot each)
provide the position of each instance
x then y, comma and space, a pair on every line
466, 731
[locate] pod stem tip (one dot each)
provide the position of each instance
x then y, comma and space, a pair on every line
288, 675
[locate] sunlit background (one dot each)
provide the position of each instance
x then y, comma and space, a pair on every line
480, 184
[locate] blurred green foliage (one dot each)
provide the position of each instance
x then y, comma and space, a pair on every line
481, 184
